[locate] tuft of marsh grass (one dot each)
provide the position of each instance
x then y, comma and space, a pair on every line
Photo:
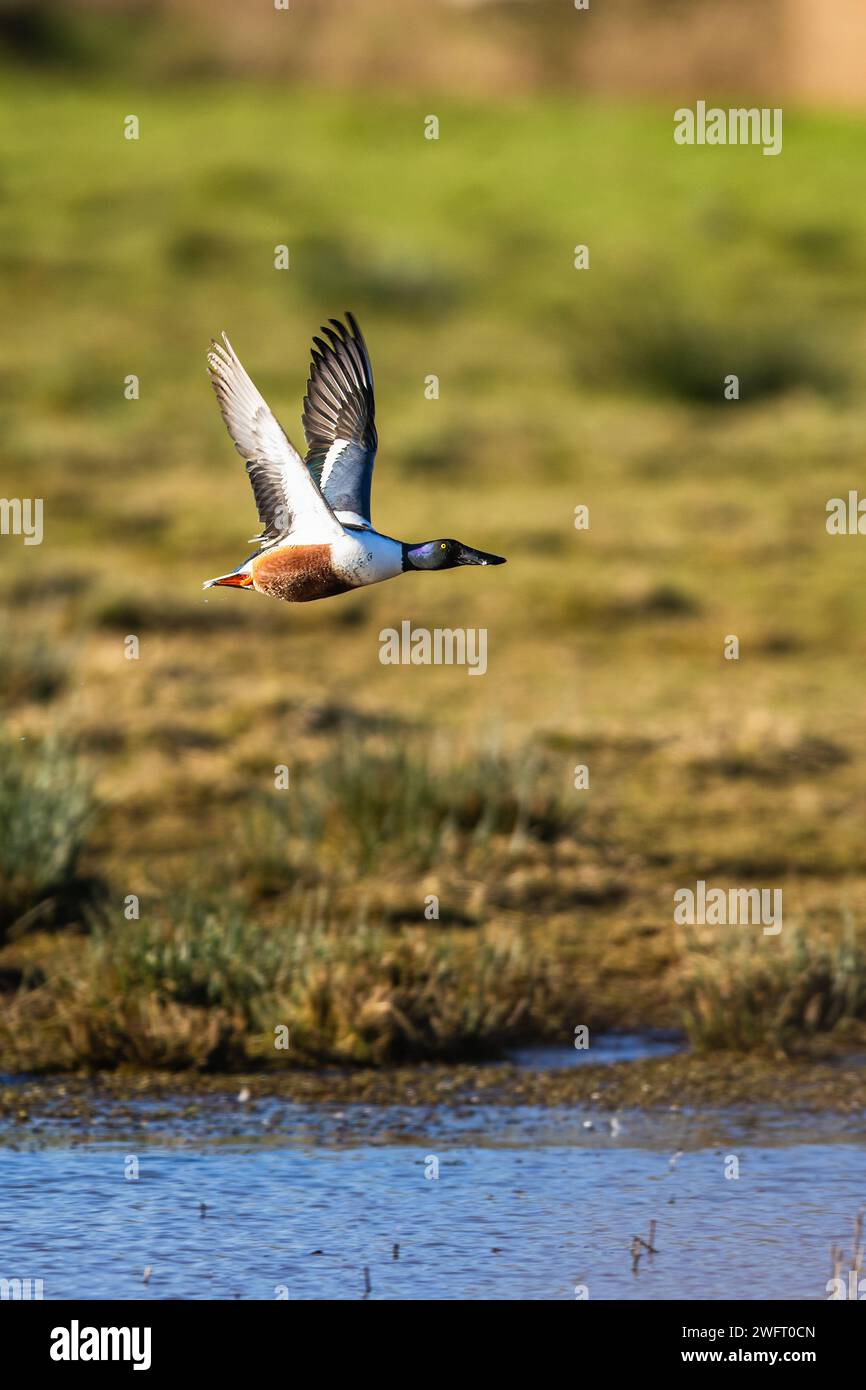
372, 996
45, 811
751, 998
362, 807
202, 984
191, 952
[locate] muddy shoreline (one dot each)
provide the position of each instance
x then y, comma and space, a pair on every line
833, 1086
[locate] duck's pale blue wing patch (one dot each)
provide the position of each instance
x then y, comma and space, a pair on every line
339, 421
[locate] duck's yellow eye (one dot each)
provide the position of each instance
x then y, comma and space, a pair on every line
442, 547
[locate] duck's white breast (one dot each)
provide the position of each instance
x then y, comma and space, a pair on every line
366, 557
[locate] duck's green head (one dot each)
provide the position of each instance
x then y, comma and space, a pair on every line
445, 555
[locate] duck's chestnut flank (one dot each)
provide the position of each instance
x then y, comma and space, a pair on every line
298, 573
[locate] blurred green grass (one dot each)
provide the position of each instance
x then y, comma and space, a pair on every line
457, 256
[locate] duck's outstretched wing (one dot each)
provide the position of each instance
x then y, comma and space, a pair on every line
287, 497
339, 421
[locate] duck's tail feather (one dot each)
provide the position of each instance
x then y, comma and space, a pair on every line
238, 579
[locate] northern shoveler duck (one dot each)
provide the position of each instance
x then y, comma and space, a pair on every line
317, 538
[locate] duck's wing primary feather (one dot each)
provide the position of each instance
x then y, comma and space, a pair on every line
339, 420
287, 497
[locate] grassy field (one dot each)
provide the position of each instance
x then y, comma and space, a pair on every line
305, 909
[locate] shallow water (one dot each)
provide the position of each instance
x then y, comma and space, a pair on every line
606, 1048
528, 1203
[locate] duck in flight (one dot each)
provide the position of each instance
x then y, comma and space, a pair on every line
317, 537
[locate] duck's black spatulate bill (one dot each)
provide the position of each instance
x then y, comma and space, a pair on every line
468, 556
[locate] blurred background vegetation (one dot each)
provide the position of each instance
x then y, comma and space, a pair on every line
558, 387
